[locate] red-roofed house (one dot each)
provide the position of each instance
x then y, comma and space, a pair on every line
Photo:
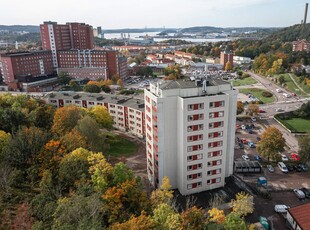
299, 217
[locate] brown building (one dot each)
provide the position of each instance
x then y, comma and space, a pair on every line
91, 64
21, 65
56, 37
226, 56
298, 217
301, 45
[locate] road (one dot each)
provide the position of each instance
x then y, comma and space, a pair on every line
281, 102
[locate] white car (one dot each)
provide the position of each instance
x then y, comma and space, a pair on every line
281, 208
253, 118
243, 126
300, 194
284, 158
245, 157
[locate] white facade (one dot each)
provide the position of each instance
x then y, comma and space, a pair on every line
190, 134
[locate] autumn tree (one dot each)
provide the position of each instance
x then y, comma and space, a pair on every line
115, 78
271, 143
216, 215
121, 173
243, 204
5, 139
166, 218
162, 195
73, 140
228, 66
193, 219
304, 147
240, 107
253, 109
65, 119
141, 222
102, 116
91, 88
124, 200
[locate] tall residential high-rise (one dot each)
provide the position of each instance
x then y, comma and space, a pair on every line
226, 56
64, 37
190, 130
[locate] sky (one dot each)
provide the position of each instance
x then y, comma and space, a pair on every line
117, 14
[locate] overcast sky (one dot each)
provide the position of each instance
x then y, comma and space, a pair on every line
157, 13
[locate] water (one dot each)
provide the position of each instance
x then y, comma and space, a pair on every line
138, 36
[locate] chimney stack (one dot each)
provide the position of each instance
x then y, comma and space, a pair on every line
306, 12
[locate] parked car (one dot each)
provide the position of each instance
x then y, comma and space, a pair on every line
282, 167
281, 208
270, 168
257, 157
284, 158
245, 157
261, 111
304, 167
243, 126
297, 168
279, 110
253, 118
290, 168
306, 192
251, 144
241, 145
244, 141
295, 157
300, 194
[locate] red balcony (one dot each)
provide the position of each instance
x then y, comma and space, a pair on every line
155, 129
155, 138
154, 118
154, 109
155, 148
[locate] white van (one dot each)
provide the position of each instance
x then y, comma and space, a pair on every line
278, 90
282, 167
281, 208
287, 95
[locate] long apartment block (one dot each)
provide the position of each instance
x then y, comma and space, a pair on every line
190, 133
127, 112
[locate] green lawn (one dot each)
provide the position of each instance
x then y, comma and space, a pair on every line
290, 85
120, 146
299, 124
245, 81
258, 93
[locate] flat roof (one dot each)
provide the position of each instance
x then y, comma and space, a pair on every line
183, 84
244, 164
131, 102
301, 215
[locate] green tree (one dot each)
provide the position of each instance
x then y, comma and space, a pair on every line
234, 222
163, 195
121, 173
193, 219
271, 143
281, 79
166, 218
304, 147
64, 78
91, 88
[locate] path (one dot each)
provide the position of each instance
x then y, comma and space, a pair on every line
301, 89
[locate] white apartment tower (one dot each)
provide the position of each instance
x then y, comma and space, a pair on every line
190, 132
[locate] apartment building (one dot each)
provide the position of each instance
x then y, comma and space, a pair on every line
127, 112
301, 45
189, 129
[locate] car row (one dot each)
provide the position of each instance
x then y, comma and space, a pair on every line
302, 193
285, 168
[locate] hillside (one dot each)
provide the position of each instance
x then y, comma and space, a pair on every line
27, 28
289, 34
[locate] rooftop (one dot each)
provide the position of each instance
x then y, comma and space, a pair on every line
301, 215
99, 97
184, 84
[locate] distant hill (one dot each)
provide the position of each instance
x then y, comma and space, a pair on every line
127, 30
292, 33
27, 28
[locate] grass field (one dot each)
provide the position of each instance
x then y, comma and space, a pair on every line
245, 81
258, 93
120, 146
299, 124
290, 85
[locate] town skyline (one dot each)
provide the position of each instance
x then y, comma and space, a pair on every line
169, 14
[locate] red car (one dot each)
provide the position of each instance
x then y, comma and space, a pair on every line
244, 141
295, 157
261, 111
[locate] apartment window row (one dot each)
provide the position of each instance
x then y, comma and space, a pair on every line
194, 167
191, 128
214, 163
148, 108
194, 176
194, 157
195, 138
216, 104
195, 117
216, 124
215, 144
195, 106
194, 185
214, 172
216, 134
214, 181
216, 114
215, 153
147, 99
194, 148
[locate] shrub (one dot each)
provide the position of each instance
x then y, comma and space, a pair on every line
245, 75
266, 94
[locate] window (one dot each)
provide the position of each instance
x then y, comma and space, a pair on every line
190, 167
189, 186
189, 148
211, 105
190, 117
189, 128
200, 127
190, 107
199, 184
200, 106
189, 158
199, 156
